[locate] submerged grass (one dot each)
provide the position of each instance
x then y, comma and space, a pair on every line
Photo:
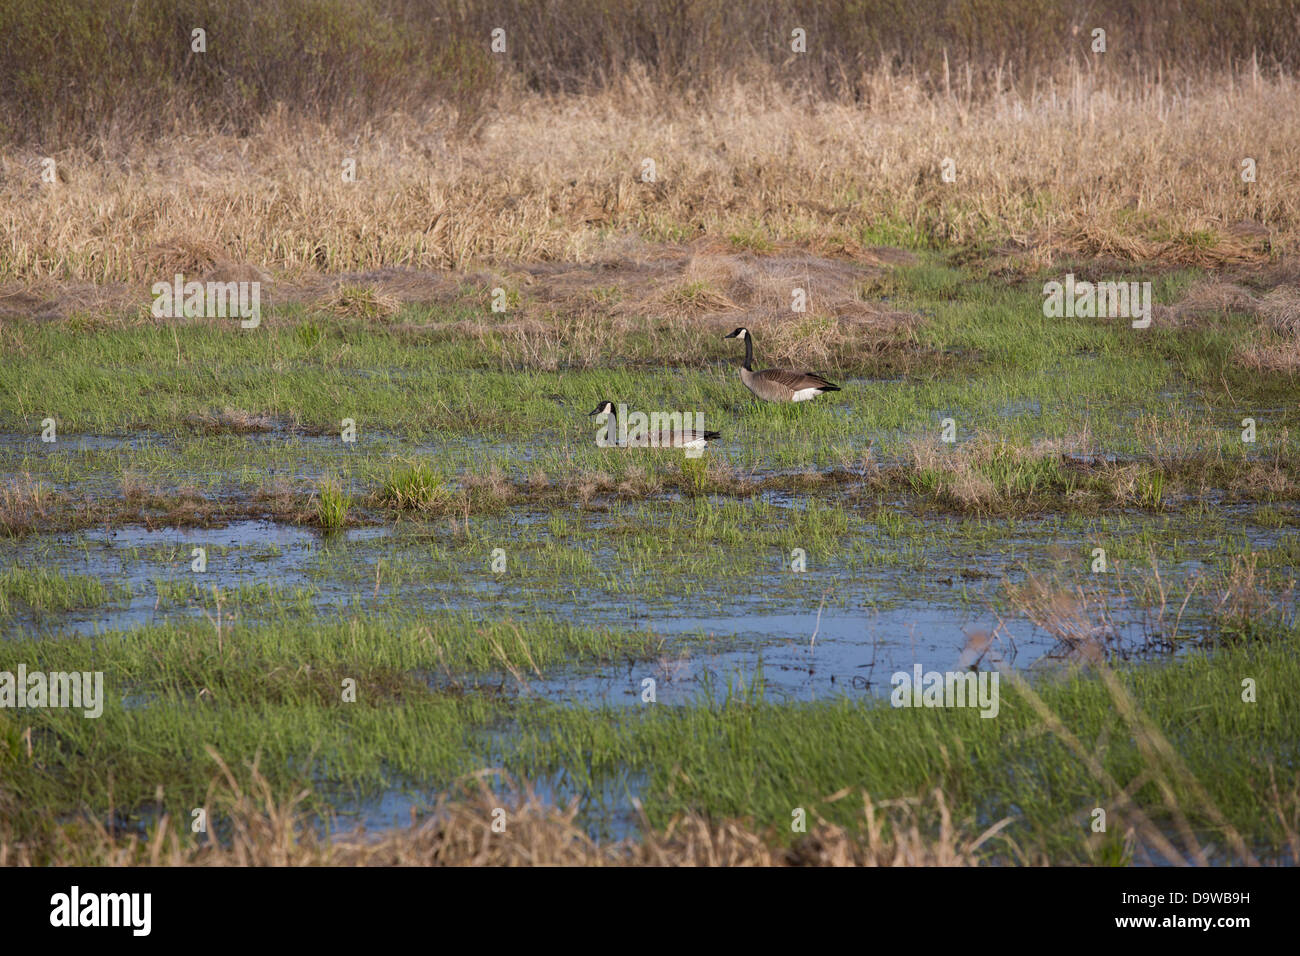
43, 591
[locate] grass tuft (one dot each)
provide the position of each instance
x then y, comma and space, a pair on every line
415, 486
332, 504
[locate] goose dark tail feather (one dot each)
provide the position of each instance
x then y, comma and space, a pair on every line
712, 436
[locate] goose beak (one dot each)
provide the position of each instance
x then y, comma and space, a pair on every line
730, 335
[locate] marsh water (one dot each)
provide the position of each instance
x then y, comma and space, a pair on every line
841, 625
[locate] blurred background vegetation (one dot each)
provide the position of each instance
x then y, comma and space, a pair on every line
74, 69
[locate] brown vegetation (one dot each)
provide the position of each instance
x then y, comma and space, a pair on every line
1102, 167
266, 831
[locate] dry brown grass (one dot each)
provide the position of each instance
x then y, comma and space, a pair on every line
1280, 350
195, 258
958, 477
1242, 596
494, 485
1207, 298
362, 302
757, 291
1080, 618
24, 505
1280, 307
558, 179
49, 298
27, 507
984, 471
1089, 620
1281, 355
266, 831
575, 315
235, 420
1277, 348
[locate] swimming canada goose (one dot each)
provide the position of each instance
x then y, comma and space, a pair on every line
672, 434
778, 384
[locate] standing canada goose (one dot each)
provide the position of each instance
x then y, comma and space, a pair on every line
672, 434
778, 384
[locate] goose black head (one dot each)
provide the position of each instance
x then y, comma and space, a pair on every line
740, 333
604, 408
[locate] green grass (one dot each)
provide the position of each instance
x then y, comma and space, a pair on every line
753, 239
730, 754
467, 445
414, 485
44, 591
1151, 488
694, 473
1014, 372
332, 504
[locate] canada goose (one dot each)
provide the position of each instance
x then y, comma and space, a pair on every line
672, 433
778, 384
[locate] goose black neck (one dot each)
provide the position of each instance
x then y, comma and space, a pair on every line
749, 354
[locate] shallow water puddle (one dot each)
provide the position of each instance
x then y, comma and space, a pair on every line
799, 657
607, 812
243, 553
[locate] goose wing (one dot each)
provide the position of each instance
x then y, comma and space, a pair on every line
691, 435
794, 381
